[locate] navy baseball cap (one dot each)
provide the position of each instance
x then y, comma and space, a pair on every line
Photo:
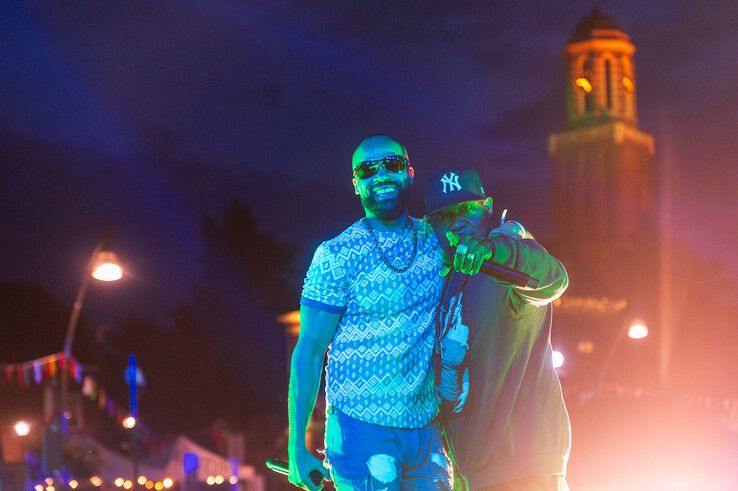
451, 187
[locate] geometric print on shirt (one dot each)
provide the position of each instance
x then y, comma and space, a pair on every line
379, 366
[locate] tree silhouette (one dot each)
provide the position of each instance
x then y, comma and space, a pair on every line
255, 255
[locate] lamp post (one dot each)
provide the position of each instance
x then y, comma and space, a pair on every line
635, 329
130, 422
22, 430
103, 265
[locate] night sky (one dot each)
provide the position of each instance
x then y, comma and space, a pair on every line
151, 115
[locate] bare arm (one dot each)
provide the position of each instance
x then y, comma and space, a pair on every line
316, 332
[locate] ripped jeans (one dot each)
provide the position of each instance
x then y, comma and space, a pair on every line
367, 457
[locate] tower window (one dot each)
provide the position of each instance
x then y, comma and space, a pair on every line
589, 99
628, 84
584, 84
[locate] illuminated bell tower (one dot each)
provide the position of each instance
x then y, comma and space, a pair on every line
600, 74
602, 164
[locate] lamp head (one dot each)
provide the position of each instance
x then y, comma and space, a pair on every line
106, 266
22, 428
637, 329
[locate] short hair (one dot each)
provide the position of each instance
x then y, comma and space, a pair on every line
378, 137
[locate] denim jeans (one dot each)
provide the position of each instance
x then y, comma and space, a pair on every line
364, 456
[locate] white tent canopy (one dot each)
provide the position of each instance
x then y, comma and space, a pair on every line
210, 464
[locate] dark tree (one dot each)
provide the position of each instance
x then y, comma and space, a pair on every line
256, 257
32, 322
246, 283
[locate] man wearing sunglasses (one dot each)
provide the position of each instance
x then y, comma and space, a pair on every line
371, 293
507, 422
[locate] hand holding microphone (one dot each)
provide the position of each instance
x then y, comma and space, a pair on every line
467, 253
471, 256
281, 466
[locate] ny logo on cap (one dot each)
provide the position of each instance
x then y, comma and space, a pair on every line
450, 182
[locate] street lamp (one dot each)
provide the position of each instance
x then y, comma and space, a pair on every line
129, 422
103, 265
635, 329
557, 358
107, 267
22, 428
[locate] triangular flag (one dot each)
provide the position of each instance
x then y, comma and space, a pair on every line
88, 387
27, 374
78, 372
38, 372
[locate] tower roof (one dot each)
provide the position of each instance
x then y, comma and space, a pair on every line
596, 25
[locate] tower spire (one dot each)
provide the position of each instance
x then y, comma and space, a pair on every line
600, 75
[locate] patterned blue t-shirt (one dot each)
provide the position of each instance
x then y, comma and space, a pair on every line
379, 363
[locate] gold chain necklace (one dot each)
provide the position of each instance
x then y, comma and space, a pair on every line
381, 252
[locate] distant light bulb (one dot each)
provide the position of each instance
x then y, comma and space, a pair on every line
638, 330
585, 346
129, 422
558, 359
22, 428
108, 272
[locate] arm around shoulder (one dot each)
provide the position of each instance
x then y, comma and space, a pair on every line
528, 256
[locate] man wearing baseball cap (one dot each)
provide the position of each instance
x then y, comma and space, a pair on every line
507, 423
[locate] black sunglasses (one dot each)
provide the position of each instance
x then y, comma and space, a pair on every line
450, 212
369, 168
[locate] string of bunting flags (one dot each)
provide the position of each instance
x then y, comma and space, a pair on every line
49, 368
35, 372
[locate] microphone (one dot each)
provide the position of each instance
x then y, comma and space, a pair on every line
502, 273
508, 275
280, 466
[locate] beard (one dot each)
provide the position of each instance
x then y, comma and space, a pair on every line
389, 209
